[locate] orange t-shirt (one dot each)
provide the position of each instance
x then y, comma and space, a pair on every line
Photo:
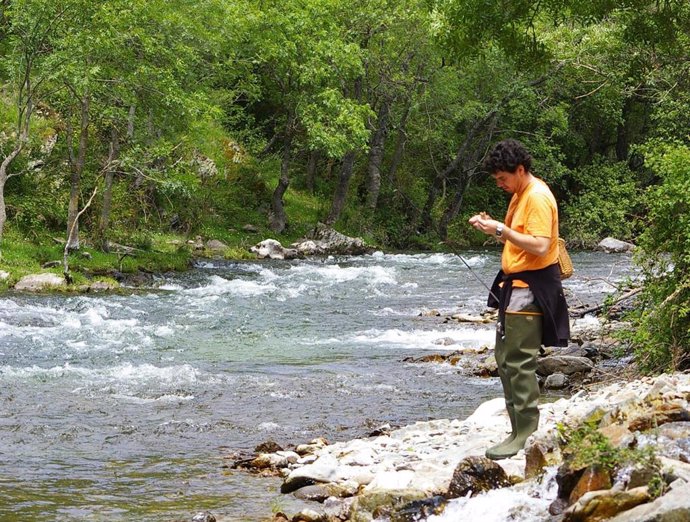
533, 212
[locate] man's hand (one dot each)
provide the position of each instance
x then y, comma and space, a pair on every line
484, 223
536, 245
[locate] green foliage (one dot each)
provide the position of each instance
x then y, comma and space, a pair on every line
585, 446
605, 199
662, 336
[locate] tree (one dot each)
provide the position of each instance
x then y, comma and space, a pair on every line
304, 63
31, 27
123, 66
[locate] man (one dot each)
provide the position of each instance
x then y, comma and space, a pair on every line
532, 307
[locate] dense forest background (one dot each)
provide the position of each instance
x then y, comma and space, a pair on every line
128, 121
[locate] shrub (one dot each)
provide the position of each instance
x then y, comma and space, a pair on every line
662, 337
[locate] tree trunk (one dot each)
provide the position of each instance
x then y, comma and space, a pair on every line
130, 122
341, 190
311, 171
278, 221
378, 140
3, 211
3, 179
77, 167
454, 208
400, 142
150, 138
113, 155
346, 170
469, 169
25, 109
622, 134
441, 177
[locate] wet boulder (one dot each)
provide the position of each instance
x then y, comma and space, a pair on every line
542, 450
320, 492
269, 446
671, 507
419, 509
593, 478
601, 505
474, 475
372, 504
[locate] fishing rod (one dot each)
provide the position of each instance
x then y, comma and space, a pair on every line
476, 276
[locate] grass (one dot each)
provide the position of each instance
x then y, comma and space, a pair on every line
21, 256
26, 253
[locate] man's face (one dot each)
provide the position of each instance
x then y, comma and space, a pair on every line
509, 181
506, 181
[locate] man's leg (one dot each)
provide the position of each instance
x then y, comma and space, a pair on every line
520, 348
500, 355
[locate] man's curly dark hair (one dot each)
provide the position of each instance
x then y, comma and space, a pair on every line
506, 156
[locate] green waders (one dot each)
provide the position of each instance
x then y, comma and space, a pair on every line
516, 356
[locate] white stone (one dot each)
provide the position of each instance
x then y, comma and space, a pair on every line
610, 245
674, 505
270, 248
4, 275
325, 468
36, 282
388, 480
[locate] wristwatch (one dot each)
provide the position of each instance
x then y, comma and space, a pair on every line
499, 230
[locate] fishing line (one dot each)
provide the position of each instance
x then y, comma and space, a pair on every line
477, 277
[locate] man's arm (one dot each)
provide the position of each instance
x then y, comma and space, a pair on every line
536, 245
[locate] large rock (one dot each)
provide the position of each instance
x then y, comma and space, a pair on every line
419, 509
382, 503
272, 249
565, 364
593, 479
603, 504
674, 506
556, 381
216, 246
611, 245
38, 282
474, 475
329, 241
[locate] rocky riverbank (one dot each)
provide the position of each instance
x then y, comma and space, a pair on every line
617, 452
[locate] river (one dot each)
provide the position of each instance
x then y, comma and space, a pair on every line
126, 407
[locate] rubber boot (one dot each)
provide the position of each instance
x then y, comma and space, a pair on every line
522, 343
500, 355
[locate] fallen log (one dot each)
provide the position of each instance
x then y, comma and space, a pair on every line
597, 308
